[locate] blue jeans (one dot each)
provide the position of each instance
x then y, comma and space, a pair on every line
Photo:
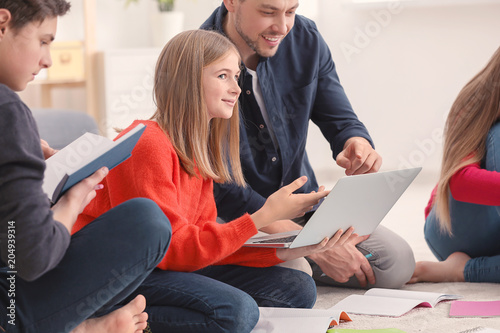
105, 262
476, 228
221, 298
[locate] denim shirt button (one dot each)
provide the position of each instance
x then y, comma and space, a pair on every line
261, 126
248, 92
274, 159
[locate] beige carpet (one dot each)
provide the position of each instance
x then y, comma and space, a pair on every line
420, 319
407, 219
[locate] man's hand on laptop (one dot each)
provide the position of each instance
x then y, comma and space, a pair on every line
344, 260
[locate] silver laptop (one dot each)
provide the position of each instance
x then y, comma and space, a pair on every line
361, 201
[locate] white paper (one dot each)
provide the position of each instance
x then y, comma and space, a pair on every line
429, 297
375, 305
285, 320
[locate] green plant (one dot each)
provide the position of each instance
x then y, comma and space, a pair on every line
163, 5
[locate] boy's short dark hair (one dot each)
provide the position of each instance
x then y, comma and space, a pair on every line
27, 11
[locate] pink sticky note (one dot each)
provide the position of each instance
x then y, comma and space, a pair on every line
475, 309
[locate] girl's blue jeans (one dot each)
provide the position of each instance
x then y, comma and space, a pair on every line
222, 298
113, 259
476, 228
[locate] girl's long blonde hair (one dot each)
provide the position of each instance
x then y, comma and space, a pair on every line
211, 146
474, 112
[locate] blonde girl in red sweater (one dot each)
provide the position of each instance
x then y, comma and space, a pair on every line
207, 282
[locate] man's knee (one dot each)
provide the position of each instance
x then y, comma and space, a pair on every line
394, 264
299, 264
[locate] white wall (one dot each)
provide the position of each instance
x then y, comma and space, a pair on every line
120, 26
401, 66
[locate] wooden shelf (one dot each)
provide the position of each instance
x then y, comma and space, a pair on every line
89, 82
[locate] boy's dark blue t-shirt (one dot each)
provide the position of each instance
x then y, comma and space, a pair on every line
40, 241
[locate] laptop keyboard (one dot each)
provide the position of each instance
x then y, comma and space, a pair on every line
288, 239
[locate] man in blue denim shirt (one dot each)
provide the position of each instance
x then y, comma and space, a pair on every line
288, 79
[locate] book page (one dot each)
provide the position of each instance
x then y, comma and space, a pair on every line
85, 156
377, 305
72, 157
279, 320
429, 297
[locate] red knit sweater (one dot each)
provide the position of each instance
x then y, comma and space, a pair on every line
473, 185
198, 240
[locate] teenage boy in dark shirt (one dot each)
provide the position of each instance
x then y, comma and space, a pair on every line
51, 282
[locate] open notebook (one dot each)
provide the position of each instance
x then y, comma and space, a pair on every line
390, 302
360, 201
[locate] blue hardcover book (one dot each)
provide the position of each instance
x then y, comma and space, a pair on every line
83, 157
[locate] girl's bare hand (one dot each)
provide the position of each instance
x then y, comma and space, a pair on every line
284, 204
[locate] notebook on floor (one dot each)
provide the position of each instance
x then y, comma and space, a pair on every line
361, 201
